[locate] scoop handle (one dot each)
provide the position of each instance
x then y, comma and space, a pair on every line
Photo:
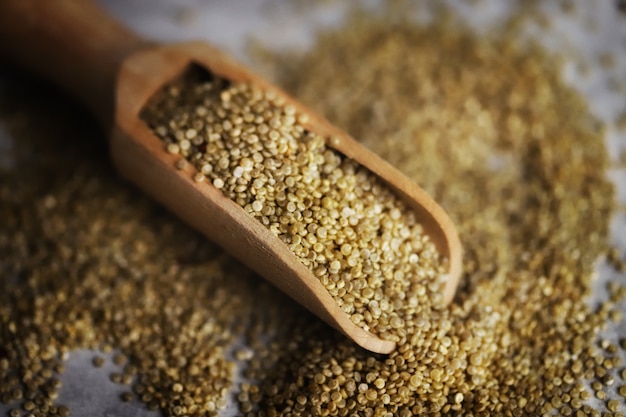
72, 43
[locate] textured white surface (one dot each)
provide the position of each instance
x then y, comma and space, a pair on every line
595, 28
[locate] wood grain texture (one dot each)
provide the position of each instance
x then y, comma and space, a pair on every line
73, 44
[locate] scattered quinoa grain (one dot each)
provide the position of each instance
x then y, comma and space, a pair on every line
452, 111
98, 361
612, 405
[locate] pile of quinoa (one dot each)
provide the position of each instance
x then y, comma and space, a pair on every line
486, 125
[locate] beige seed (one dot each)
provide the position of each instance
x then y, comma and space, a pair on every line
98, 361
613, 405
173, 148
218, 183
181, 164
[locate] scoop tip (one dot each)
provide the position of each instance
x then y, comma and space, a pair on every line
373, 343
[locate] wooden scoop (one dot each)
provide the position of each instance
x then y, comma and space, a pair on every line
114, 72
